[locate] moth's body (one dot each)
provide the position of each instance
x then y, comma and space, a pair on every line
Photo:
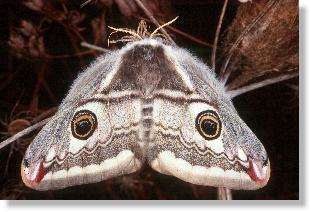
146, 103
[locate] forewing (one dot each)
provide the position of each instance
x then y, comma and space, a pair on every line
199, 137
92, 137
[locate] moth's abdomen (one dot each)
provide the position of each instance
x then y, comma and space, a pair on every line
146, 120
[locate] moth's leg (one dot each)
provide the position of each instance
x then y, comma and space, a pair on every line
224, 193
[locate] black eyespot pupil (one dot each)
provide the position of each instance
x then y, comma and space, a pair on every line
83, 127
208, 124
209, 127
83, 124
26, 163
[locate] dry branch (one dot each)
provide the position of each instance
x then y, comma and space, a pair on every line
223, 11
253, 86
23, 133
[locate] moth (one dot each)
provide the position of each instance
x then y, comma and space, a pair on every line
147, 103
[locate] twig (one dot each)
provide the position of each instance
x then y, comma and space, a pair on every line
23, 132
49, 92
65, 56
223, 11
223, 75
148, 13
8, 160
70, 29
190, 37
40, 77
75, 47
44, 115
85, 3
66, 26
224, 193
247, 88
94, 47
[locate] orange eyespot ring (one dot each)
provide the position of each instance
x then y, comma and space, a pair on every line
208, 124
83, 124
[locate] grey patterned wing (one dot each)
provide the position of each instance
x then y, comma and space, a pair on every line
92, 137
198, 136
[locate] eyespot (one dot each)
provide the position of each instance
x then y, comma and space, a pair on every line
83, 124
26, 163
208, 124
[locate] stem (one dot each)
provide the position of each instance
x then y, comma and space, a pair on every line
247, 88
94, 47
224, 193
223, 11
23, 133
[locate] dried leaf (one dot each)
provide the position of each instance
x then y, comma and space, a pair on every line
35, 5
269, 48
